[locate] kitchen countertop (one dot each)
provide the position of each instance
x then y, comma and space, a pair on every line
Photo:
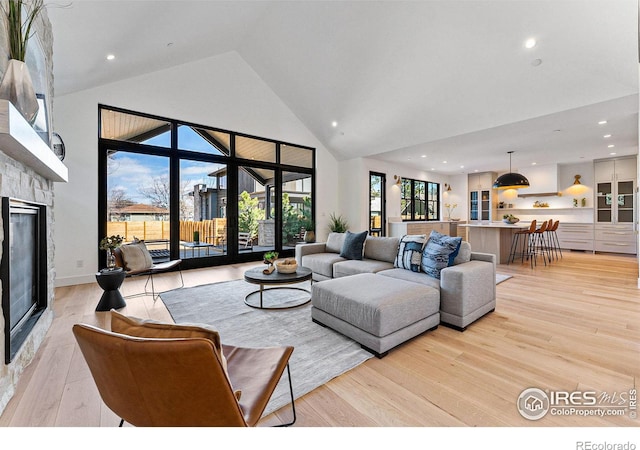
494, 225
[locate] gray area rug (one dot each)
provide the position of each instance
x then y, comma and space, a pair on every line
320, 354
500, 278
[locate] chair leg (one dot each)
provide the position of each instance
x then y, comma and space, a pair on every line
153, 291
121, 423
293, 405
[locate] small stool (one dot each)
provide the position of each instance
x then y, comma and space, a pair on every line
110, 281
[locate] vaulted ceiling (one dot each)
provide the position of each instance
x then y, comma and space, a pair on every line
450, 80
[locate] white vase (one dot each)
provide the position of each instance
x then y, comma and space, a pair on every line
17, 87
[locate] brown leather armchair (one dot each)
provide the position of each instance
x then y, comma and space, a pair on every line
174, 375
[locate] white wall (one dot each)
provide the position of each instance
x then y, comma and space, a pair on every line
222, 91
354, 189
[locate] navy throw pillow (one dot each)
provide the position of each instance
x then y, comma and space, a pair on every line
439, 253
353, 245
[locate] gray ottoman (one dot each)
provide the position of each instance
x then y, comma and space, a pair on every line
378, 312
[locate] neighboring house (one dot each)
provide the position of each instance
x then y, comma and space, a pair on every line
138, 212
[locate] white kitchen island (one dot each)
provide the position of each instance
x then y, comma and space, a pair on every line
492, 237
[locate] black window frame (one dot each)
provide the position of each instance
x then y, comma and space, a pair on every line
433, 201
175, 155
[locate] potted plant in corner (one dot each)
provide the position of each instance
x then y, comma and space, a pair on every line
16, 85
337, 224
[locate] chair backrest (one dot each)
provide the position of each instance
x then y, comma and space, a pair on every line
555, 225
160, 382
543, 227
550, 223
532, 227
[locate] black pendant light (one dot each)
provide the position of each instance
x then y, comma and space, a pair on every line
511, 180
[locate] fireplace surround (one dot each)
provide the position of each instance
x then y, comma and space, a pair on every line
23, 271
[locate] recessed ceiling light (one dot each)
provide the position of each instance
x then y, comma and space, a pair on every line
610, 146
602, 122
476, 170
606, 136
530, 43
334, 124
534, 163
111, 57
462, 167
423, 156
612, 153
444, 162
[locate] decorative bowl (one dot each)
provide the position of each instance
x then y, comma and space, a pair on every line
288, 265
511, 221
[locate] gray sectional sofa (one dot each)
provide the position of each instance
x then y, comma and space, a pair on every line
380, 305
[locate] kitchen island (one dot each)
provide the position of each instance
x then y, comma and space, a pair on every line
492, 237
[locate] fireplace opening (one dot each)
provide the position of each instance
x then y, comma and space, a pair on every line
23, 270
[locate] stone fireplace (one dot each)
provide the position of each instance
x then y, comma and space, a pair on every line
28, 170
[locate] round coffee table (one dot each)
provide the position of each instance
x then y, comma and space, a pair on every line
255, 276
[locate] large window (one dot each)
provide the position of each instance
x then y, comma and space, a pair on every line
201, 194
419, 200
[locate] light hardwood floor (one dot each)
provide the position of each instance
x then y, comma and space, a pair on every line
573, 325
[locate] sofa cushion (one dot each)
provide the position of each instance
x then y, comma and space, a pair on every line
353, 245
381, 248
439, 253
414, 277
378, 305
464, 254
334, 242
410, 252
352, 267
321, 263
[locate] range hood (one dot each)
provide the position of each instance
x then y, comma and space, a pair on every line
543, 181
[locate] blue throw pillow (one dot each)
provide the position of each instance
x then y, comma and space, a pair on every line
353, 245
439, 253
410, 252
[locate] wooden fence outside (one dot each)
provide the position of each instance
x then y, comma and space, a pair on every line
212, 231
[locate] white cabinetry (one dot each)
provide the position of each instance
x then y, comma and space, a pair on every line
482, 199
615, 205
575, 236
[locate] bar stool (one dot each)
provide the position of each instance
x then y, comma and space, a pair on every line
525, 245
552, 239
539, 244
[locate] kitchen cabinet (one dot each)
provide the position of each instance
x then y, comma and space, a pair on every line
575, 236
399, 229
482, 198
615, 205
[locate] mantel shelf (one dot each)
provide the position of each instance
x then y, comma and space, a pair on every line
21, 142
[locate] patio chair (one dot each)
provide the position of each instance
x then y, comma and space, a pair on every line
164, 375
135, 260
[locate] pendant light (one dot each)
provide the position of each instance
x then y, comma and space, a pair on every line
511, 180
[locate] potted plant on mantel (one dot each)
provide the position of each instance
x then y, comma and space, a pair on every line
16, 85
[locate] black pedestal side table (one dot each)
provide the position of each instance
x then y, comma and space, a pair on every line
110, 281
